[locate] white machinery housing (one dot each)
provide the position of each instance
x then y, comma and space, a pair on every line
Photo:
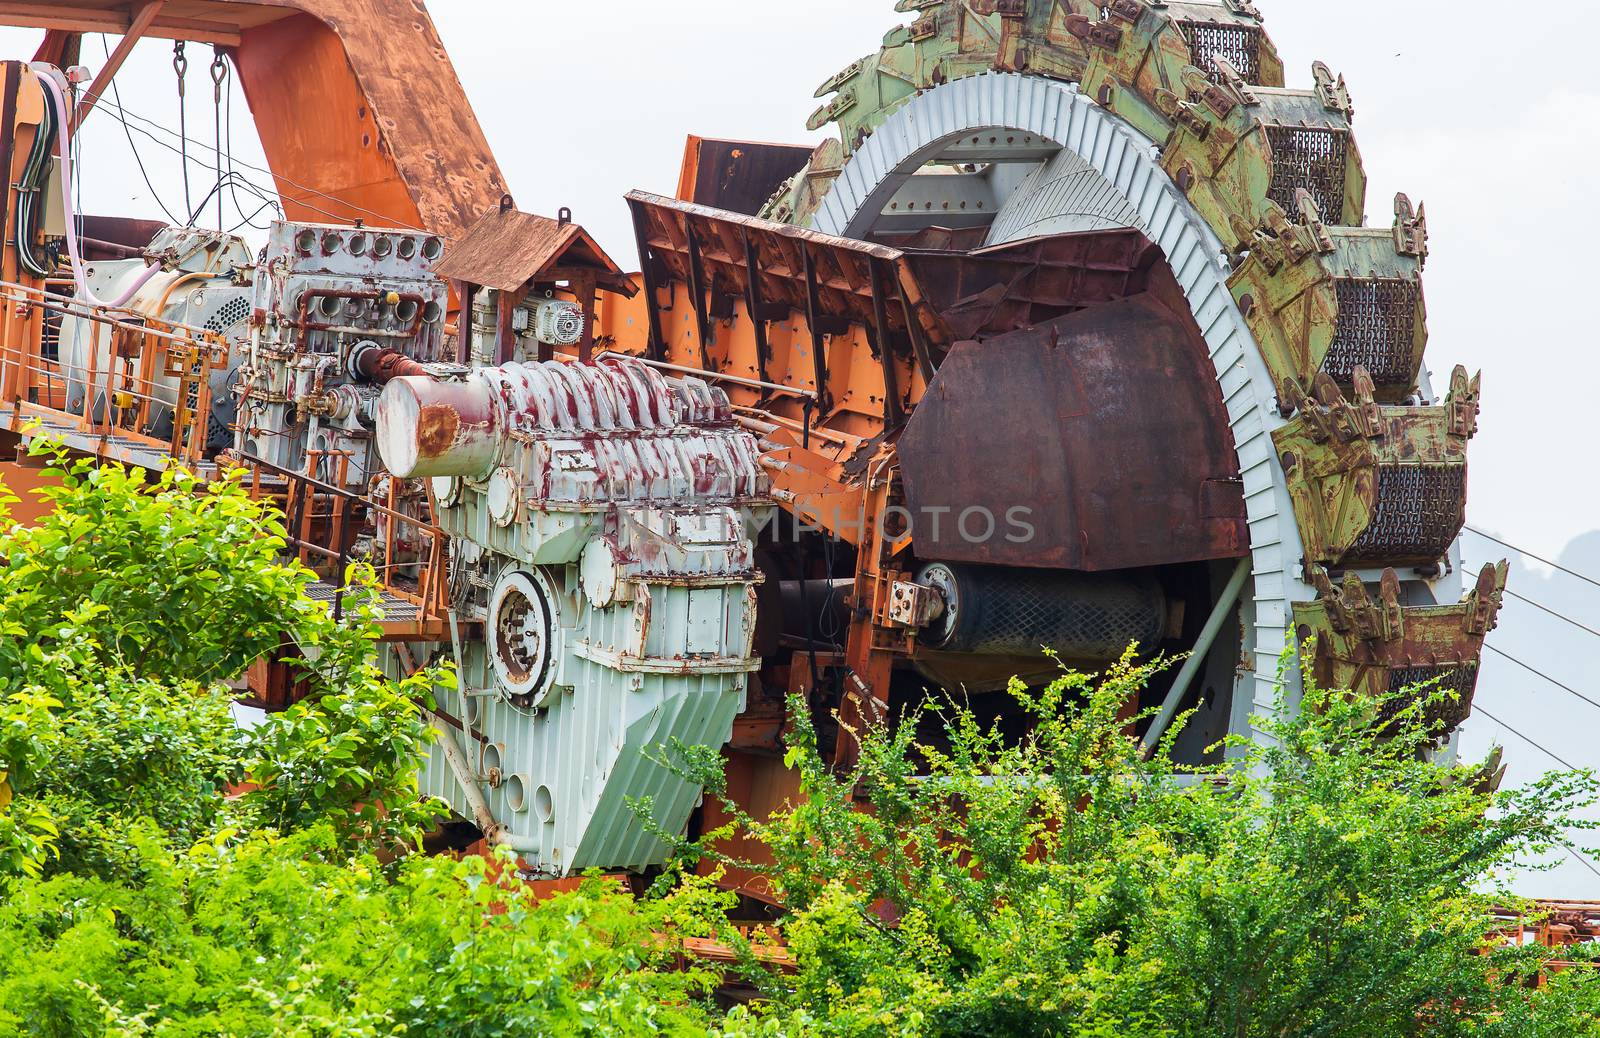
600, 517
325, 296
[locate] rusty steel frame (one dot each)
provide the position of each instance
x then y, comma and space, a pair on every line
298, 496
161, 348
143, 15
386, 97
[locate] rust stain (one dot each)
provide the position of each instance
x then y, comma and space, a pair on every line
437, 426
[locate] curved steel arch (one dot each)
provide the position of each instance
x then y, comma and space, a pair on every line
926, 124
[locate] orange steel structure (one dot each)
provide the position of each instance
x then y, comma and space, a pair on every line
384, 101
826, 346
394, 140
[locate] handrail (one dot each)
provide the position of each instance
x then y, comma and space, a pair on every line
300, 491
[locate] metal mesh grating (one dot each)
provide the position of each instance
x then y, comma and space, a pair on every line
1419, 514
390, 606
1448, 714
1239, 44
1312, 157
1376, 330
1017, 612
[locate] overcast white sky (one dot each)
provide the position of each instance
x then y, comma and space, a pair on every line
1489, 117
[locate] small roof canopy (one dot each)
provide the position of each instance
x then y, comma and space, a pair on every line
508, 248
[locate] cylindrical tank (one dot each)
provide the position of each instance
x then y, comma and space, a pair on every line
991, 610
430, 428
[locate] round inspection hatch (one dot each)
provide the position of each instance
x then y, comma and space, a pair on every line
599, 573
521, 633
446, 490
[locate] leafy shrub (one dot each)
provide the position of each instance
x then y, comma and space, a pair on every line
1338, 882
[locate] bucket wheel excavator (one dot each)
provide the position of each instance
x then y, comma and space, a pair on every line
1075, 337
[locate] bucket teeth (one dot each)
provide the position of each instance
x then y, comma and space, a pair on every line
1372, 644
1377, 478
1373, 484
1330, 300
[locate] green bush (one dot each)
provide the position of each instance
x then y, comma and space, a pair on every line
1335, 883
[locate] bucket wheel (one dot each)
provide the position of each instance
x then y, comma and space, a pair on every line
1004, 121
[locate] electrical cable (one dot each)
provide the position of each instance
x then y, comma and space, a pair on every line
1539, 673
1536, 558
180, 65
1571, 851
219, 73
64, 142
127, 132
255, 189
233, 189
1558, 615
1581, 859
391, 220
30, 192
246, 222
1477, 709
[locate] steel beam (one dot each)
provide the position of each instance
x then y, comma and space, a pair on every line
144, 15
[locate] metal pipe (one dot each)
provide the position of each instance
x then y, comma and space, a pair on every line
57, 98
468, 782
1197, 658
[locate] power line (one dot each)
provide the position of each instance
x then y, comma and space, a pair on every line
1536, 558
1543, 608
1572, 852
1581, 859
1477, 709
239, 178
1539, 673
1559, 616
233, 189
139, 161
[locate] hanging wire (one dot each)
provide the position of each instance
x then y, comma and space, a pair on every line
1555, 613
1571, 851
233, 187
1541, 674
180, 65
240, 179
389, 220
1536, 558
128, 132
219, 74
1559, 616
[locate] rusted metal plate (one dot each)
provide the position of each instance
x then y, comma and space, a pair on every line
360, 111
706, 247
507, 248
1017, 285
1096, 441
738, 176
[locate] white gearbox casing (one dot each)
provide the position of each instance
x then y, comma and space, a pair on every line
603, 513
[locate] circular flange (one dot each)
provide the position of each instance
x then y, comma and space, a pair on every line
522, 633
940, 577
446, 490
